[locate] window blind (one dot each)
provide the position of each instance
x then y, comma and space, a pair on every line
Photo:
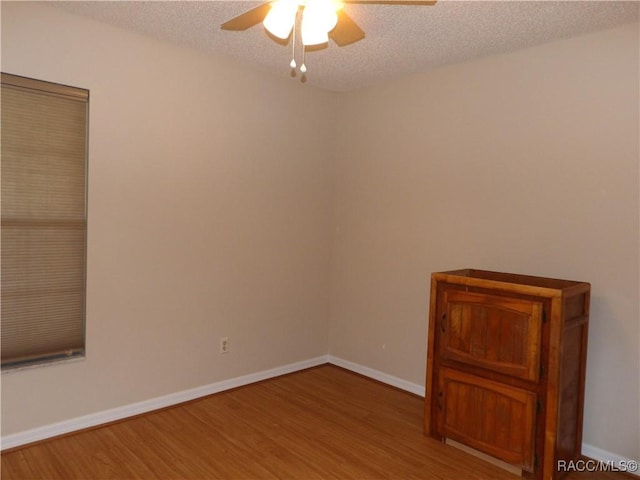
44, 221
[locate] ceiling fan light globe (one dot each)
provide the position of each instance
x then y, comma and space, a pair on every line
319, 17
323, 14
281, 18
314, 37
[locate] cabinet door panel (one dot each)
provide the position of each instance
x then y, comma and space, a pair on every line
491, 417
498, 333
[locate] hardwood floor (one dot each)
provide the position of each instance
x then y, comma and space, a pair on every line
321, 423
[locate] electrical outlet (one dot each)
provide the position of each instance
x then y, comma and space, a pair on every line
224, 345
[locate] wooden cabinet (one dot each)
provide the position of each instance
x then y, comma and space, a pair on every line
506, 366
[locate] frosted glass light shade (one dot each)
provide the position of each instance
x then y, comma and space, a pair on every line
318, 19
311, 35
280, 19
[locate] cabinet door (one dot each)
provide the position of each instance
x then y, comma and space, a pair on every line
494, 332
491, 417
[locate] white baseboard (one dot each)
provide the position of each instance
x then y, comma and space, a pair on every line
118, 413
378, 375
611, 459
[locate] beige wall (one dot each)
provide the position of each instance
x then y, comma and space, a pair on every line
211, 201
209, 211
526, 162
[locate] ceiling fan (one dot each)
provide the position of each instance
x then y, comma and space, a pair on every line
321, 20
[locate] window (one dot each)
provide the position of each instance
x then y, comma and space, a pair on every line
44, 221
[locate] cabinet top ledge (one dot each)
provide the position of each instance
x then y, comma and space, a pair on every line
470, 276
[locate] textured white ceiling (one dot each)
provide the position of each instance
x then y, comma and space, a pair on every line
400, 40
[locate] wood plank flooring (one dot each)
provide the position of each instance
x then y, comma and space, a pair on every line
321, 423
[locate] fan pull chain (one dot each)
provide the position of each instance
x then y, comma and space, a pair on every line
293, 64
293, 49
303, 67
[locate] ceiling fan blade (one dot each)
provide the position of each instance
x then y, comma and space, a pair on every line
392, 2
247, 19
347, 31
